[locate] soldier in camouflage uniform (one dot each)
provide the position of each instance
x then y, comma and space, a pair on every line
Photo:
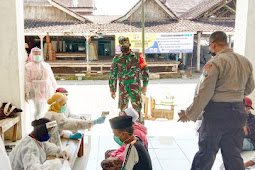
129, 68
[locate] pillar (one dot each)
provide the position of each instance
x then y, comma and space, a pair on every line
199, 33
245, 31
87, 48
41, 42
12, 58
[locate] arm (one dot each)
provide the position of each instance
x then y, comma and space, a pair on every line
74, 124
113, 75
51, 149
31, 160
205, 91
250, 84
144, 70
28, 79
52, 78
119, 153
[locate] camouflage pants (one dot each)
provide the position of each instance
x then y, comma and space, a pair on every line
133, 92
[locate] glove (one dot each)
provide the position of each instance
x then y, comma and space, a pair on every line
99, 120
27, 97
65, 153
76, 136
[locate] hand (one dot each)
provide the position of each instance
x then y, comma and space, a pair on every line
113, 95
144, 90
83, 117
76, 136
245, 130
99, 120
183, 117
65, 153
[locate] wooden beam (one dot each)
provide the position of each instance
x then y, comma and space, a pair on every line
213, 11
230, 9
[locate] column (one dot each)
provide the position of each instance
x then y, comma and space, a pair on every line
199, 33
244, 32
12, 58
41, 42
87, 48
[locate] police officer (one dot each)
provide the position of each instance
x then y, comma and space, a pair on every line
226, 79
129, 68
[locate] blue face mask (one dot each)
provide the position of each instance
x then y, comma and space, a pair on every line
37, 58
45, 138
63, 109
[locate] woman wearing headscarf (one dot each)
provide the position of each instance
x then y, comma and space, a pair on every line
65, 125
40, 83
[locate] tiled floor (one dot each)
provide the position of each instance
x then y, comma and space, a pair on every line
173, 152
172, 145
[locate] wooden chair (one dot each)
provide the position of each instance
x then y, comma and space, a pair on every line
162, 113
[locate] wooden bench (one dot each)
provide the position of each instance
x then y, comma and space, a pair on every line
6, 124
76, 148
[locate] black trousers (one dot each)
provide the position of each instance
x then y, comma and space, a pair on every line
222, 127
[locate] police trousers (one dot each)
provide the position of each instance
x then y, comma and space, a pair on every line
222, 127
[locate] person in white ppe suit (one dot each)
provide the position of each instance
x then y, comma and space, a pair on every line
40, 83
66, 125
4, 159
31, 152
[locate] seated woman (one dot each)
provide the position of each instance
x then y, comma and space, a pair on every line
56, 112
115, 158
31, 152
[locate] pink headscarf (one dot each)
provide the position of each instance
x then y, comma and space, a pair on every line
31, 55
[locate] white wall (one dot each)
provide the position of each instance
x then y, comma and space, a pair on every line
245, 32
12, 53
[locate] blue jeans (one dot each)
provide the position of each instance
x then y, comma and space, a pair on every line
247, 145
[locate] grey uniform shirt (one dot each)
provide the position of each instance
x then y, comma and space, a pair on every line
227, 77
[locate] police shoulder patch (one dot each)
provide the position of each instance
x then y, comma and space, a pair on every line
206, 69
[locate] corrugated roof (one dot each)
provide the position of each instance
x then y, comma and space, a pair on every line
181, 6
81, 3
201, 8
63, 26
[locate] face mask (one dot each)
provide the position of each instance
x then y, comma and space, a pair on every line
118, 141
37, 58
125, 50
213, 54
63, 109
45, 138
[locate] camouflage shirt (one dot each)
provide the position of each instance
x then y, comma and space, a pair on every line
128, 69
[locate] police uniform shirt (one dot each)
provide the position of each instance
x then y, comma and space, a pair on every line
227, 77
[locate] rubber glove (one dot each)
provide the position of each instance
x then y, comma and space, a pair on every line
76, 136
100, 120
65, 153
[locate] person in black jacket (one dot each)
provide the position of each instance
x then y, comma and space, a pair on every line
249, 128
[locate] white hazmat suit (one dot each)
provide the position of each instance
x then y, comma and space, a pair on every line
40, 83
30, 154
